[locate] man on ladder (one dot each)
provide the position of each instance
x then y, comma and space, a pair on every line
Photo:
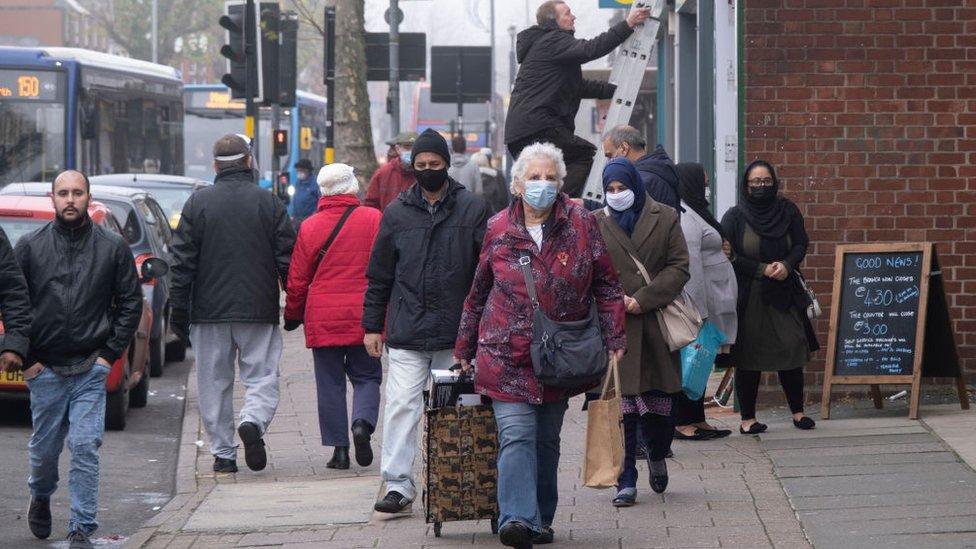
550, 85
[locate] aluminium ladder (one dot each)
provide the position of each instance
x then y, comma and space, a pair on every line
632, 59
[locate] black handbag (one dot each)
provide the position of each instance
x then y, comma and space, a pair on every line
565, 354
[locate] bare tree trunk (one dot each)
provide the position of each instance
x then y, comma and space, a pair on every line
353, 132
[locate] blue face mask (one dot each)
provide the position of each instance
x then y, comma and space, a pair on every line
539, 193
405, 158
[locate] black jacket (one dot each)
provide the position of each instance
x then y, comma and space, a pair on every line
422, 265
231, 250
550, 82
748, 268
14, 302
660, 177
85, 295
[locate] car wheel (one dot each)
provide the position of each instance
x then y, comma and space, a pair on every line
116, 405
140, 393
157, 356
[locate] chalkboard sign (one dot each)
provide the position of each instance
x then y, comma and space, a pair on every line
878, 321
885, 322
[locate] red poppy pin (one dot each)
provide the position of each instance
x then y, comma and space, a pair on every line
563, 258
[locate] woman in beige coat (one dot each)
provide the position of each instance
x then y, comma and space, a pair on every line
649, 252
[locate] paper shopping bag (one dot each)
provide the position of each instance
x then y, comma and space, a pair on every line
604, 456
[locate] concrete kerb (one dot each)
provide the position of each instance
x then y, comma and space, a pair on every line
190, 490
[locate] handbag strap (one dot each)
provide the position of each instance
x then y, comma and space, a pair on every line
525, 264
332, 236
641, 268
611, 372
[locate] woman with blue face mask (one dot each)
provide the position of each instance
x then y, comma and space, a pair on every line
648, 248
571, 270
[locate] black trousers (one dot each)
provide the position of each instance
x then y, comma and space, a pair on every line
687, 411
577, 154
747, 390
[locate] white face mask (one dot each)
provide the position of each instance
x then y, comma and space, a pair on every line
708, 194
621, 201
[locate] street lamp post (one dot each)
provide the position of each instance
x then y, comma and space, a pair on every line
155, 31
394, 97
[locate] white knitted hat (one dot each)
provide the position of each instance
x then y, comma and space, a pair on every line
336, 179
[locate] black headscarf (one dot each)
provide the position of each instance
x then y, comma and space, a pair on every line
772, 219
691, 189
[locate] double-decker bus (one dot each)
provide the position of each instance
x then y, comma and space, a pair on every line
210, 113
70, 108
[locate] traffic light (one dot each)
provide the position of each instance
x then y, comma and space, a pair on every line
270, 14
242, 50
281, 142
288, 59
233, 22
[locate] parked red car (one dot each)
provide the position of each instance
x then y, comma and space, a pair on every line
128, 382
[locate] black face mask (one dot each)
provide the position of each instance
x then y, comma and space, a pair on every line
431, 180
762, 194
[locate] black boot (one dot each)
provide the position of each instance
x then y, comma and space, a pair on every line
361, 431
659, 475
340, 458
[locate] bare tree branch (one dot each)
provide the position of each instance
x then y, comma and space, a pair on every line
307, 13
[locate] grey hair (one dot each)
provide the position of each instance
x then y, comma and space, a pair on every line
538, 150
626, 134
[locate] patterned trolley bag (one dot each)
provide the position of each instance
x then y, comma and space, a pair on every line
460, 449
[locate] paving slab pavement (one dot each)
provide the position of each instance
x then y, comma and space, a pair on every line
877, 479
741, 491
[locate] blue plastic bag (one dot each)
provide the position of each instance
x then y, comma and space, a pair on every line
697, 359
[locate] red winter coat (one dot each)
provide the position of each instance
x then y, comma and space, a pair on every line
573, 268
330, 299
387, 183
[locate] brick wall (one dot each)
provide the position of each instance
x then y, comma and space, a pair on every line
867, 108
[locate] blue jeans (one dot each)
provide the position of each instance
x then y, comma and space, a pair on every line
72, 407
528, 458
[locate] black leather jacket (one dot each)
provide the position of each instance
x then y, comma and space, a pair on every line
85, 294
14, 303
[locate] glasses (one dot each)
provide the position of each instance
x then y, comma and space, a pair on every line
761, 182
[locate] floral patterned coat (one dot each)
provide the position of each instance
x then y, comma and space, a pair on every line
572, 269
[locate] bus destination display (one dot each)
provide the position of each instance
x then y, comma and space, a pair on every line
878, 314
29, 85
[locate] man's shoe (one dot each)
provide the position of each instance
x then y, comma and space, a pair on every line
361, 431
79, 540
340, 458
515, 534
39, 517
254, 454
224, 465
393, 502
545, 537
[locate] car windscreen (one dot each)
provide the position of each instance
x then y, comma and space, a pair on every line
126, 215
170, 199
16, 227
